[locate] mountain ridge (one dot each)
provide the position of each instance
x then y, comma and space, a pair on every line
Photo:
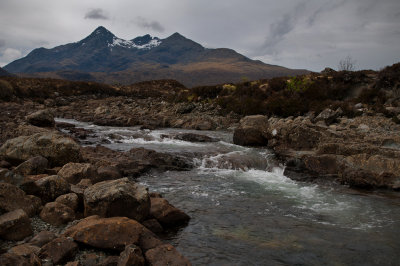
103, 57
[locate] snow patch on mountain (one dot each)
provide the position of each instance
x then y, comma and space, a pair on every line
130, 44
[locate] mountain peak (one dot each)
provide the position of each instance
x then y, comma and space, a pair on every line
101, 30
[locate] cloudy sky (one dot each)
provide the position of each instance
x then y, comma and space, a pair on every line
311, 34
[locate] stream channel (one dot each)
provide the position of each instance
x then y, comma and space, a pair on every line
245, 211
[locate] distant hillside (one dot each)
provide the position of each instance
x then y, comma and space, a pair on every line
3, 73
103, 57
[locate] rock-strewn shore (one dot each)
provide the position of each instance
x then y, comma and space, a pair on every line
59, 199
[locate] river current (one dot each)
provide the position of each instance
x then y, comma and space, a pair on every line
245, 211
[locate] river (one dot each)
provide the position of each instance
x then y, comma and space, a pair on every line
245, 211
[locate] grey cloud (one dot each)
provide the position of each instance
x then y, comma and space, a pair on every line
153, 25
96, 13
282, 27
2, 43
324, 8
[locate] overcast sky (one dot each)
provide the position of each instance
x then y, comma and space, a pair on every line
311, 34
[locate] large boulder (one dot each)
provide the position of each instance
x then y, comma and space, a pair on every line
51, 187
56, 148
41, 118
252, 131
13, 198
165, 255
15, 225
119, 197
56, 213
166, 214
75, 172
112, 233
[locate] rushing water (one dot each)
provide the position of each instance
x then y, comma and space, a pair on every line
245, 211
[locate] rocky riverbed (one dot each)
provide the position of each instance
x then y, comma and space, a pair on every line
60, 199
82, 189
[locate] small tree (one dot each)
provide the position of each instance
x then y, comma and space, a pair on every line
347, 64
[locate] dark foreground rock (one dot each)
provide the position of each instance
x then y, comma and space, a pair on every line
10, 259
51, 187
15, 225
13, 198
56, 213
59, 250
34, 166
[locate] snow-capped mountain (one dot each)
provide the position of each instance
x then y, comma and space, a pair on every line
104, 57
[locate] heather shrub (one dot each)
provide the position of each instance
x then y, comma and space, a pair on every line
6, 90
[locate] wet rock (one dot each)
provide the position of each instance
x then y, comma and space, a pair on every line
157, 160
41, 118
119, 197
74, 172
13, 198
34, 166
252, 131
153, 225
102, 156
132, 255
112, 233
42, 238
57, 149
165, 255
71, 200
57, 213
166, 214
15, 225
51, 187
191, 137
10, 259
60, 250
